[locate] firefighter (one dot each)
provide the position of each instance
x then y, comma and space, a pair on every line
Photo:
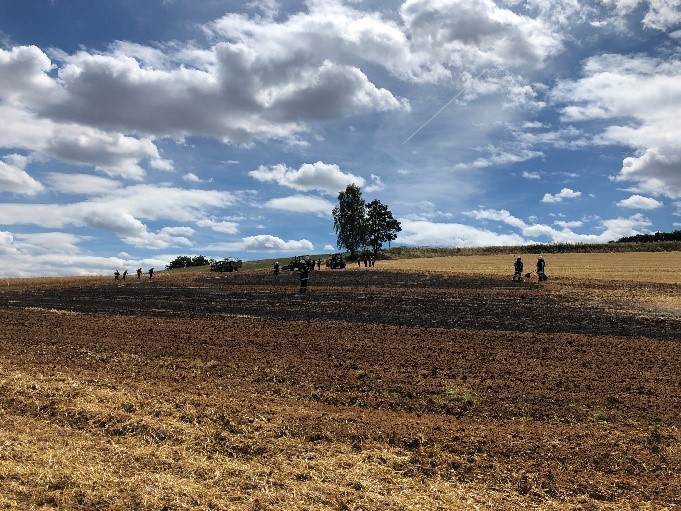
276, 268
304, 272
541, 264
518, 268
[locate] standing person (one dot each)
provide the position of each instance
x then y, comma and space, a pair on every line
116, 275
518, 267
304, 272
276, 268
151, 272
125, 272
319, 264
541, 265
139, 273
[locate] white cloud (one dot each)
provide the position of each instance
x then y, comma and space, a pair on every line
656, 171
476, 33
376, 186
329, 248
565, 193
569, 224
424, 233
323, 177
190, 177
660, 15
84, 184
501, 158
531, 175
302, 204
268, 243
638, 97
611, 229
120, 212
221, 226
15, 179
639, 202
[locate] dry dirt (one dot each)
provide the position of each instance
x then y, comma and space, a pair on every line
379, 389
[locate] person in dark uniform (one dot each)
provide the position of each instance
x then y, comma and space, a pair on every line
541, 265
139, 273
276, 268
151, 272
304, 272
116, 275
518, 268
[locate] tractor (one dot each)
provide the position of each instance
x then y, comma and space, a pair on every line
335, 261
297, 262
227, 264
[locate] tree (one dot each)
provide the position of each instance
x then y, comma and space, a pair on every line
381, 225
350, 221
186, 261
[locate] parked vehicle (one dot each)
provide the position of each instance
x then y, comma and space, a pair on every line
227, 264
297, 261
335, 261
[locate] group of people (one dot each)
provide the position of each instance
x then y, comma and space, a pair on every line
369, 260
518, 269
121, 276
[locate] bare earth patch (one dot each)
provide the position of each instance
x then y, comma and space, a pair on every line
379, 390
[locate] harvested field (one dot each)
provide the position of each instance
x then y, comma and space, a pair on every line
381, 389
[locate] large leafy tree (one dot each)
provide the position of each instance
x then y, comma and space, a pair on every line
382, 226
186, 261
350, 221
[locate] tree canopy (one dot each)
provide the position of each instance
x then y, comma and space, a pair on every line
382, 226
186, 261
359, 225
349, 220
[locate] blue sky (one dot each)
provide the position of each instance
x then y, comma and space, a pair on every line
134, 131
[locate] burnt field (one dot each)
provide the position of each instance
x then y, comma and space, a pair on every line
373, 297
377, 390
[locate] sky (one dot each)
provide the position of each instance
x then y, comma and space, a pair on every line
135, 131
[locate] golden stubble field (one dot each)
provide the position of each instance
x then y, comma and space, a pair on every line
414, 385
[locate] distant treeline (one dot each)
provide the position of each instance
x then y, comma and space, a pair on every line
651, 238
538, 248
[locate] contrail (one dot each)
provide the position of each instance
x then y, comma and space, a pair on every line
437, 113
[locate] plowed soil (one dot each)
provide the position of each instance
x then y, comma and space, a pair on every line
376, 390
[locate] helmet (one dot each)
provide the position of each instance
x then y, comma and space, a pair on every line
540, 257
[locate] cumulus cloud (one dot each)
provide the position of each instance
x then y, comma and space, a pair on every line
224, 227
81, 184
660, 14
565, 193
15, 179
268, 243
122, 212
638, 97
611, 229
421, 233
476, 33
302, 204
319, 176
376, 184
639, 202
